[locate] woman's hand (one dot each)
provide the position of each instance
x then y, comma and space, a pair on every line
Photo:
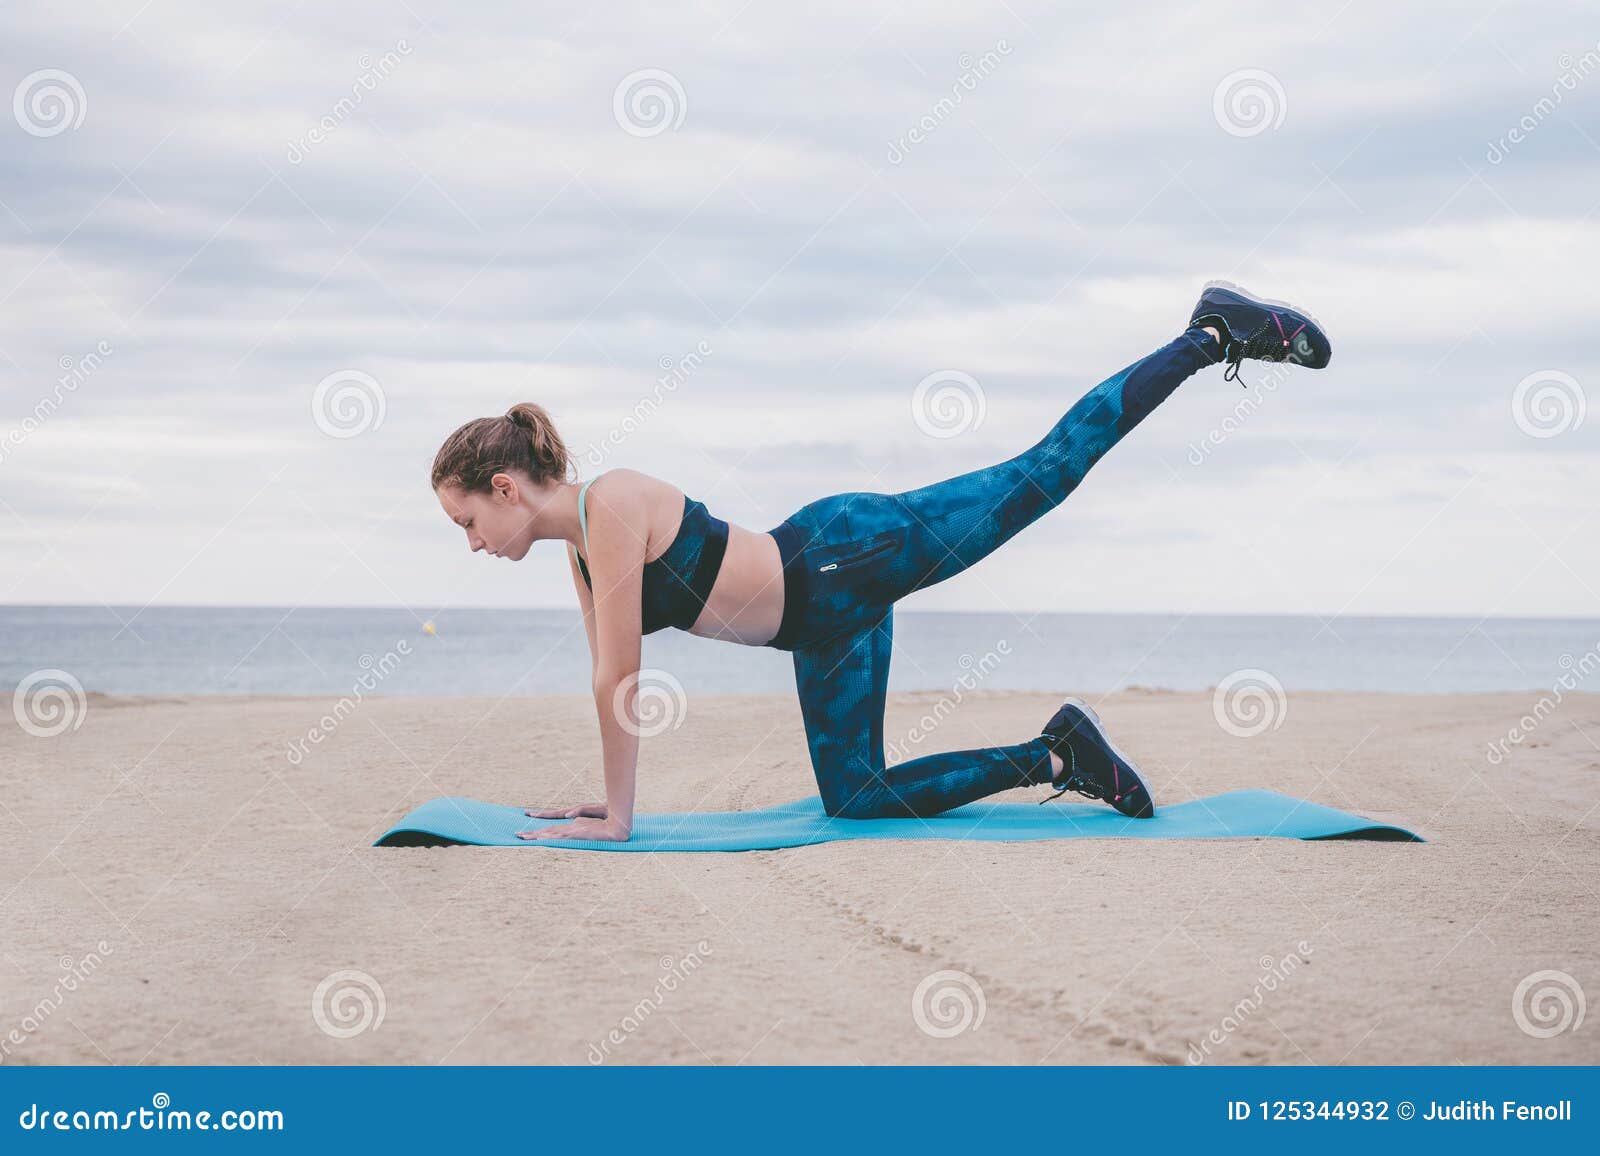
584, 811
600, 830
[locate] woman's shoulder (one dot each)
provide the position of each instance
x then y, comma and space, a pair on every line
646, 503
624, 483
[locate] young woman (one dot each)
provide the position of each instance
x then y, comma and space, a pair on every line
824, 582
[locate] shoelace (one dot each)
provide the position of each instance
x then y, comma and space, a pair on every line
1263, 345
1075, 783
1088, 788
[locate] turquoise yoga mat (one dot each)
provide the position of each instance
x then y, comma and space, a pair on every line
1235, 815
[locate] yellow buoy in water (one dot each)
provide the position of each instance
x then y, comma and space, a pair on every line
429, 628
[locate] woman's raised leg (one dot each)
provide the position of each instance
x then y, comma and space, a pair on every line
957, 522
861, 552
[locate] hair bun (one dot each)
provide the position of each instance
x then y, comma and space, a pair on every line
481, 448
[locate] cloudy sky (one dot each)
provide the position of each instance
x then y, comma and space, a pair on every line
432, 210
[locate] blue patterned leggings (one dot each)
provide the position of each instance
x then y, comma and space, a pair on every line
848, 558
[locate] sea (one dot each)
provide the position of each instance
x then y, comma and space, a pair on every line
330, 651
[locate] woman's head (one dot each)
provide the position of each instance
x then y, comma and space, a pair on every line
494, 474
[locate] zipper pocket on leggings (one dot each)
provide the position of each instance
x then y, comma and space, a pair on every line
856, 560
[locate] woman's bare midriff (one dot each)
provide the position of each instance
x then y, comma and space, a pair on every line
746, 603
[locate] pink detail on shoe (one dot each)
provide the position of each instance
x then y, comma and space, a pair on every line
1287, 337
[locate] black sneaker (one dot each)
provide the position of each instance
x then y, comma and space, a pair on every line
1259, 328
1091, 764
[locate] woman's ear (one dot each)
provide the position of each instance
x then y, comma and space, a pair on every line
505, 486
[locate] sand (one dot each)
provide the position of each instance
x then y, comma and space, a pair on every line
175, 890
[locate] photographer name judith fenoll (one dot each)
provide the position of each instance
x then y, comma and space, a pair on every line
1485, 1110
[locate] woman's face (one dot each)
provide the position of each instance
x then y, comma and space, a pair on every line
498, 521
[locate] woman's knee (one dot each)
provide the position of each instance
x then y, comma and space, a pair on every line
866, 802
852, 809
844, 800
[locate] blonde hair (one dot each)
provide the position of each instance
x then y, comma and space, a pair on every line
523, 438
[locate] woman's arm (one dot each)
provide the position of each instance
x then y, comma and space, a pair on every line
585, 600
618, 530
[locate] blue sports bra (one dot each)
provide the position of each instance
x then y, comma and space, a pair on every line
677, 584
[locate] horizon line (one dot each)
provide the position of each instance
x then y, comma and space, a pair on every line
400, 607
